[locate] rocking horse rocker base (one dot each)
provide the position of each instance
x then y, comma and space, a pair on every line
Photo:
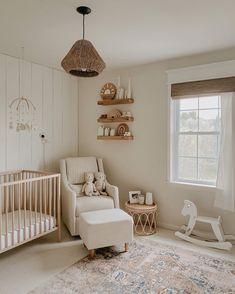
188, 233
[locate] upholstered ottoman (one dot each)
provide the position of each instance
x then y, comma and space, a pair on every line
103, 228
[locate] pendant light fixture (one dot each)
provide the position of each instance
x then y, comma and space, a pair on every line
83, 60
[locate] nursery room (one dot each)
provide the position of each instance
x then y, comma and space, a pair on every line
117, 166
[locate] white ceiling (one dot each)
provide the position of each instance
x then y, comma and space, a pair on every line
125, 32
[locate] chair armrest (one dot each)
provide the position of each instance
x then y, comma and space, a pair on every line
69, 199
114, 193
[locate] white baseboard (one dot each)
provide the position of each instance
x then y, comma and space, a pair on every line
168, 226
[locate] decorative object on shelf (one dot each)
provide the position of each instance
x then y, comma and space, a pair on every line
112, 132
108, 91
134, 196
129, 89
100, 183
106, 131
100, 131
89, 188
118, 87
121, 93
141, 199
22, 110
149, 198
127, 134
144, 217
122, 128
115, 113
103, 116
127, 114
83, 60
218, 240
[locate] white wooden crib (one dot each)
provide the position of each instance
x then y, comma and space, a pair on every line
29, 206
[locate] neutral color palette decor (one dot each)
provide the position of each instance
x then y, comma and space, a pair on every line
83, 60
30, 206
144, 217
148, 267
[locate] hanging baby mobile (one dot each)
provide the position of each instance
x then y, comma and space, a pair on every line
22, 111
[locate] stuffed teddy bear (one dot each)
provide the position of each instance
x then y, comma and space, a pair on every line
100, 183
89, 188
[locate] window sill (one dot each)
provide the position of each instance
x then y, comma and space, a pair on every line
192, 186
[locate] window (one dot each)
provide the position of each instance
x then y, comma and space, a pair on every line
195, 139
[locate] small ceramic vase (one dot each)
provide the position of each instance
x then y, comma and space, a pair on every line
129, 89
112, 132
121, 93
141, 199
100, 131
106, 131
149, 198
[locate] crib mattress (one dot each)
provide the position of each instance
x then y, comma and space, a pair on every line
38, 225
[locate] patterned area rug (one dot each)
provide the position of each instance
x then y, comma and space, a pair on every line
148, 267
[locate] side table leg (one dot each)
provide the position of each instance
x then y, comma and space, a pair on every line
126, 247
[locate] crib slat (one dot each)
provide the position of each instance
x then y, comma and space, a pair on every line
58, 209
24, 201
19, 188
13, 214
45, 203
50, 192
54, 200
35, 206
30, 209
6, 214
40, 195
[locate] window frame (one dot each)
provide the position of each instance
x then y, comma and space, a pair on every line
174, 143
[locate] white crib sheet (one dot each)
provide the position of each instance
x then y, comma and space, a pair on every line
47, 223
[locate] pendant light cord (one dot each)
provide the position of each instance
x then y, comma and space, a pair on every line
83, 26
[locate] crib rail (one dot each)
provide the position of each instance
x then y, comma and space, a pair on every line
29, 206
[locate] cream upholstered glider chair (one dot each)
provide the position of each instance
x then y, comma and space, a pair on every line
74, 202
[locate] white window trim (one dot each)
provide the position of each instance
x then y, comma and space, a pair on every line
174, 142
190, 74
171, 153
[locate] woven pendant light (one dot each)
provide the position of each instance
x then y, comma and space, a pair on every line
82, 59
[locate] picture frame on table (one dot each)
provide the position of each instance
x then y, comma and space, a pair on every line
134, 197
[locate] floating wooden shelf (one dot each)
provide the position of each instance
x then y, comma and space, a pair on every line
114, 120
115, 101
115, 137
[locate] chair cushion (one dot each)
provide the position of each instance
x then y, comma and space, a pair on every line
77, 189
77, 166
90, 203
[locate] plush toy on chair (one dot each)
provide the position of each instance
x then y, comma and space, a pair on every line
100, 183
89, 188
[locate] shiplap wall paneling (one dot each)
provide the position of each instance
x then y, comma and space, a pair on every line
12, 92
55, 96
48, 116
58, 118
67, 113
25, 150
37, 99
2, 112
74, 87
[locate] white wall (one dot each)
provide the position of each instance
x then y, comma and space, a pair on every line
142, 163
55, 95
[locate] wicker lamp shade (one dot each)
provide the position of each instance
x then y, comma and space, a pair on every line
83, 60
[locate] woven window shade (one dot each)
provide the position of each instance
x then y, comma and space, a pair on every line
205, 87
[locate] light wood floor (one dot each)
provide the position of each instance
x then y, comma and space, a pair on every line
27, 266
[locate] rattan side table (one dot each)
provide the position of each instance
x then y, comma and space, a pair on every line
144, 217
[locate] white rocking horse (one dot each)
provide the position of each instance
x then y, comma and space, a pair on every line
191, 210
